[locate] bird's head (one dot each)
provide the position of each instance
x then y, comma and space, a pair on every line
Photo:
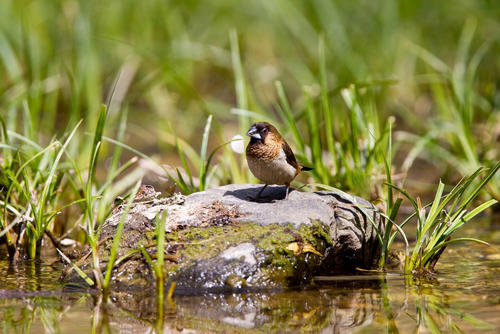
259, 131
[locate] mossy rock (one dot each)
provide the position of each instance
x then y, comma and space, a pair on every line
218, 240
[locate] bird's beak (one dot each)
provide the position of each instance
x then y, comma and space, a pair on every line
253, 133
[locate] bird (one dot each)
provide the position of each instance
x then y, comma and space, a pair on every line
270, 158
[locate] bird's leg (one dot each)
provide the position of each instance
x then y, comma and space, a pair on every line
257, 198
260, 192
287, 189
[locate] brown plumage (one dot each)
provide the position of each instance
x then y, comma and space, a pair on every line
270, 158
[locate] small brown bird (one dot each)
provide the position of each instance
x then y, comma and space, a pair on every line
270, 158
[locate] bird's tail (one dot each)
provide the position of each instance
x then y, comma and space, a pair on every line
305, 168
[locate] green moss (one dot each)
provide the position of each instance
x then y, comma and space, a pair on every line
150, 235
281, 266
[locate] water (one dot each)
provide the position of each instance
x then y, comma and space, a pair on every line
465, 296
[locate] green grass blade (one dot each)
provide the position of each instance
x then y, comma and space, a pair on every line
203, 153
407, 195
48, 183
428, 57
56, 212
239, 80
80, 272
160, 239
117, 237
181, 154
15, 183
431, 253
286, 113
403, 234
480, 209
114, 174
182, 184
24, 139
122, 126
212, 154
479, 187
11, 225
435, 209
94, 153
327, 110
145, 156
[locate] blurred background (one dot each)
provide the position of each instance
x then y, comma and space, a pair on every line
169, 64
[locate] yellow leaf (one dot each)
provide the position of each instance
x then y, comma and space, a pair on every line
299, 248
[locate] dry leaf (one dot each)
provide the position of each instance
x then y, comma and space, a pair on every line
297, 248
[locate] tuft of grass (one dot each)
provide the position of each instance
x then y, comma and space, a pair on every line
447, 214
42, 182
32, 192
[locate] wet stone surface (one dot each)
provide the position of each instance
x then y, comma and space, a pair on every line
220, 240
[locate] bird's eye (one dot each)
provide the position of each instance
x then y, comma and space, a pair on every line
264, 130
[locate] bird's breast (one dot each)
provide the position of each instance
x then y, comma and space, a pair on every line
275, 171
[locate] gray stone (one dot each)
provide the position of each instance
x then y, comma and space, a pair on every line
221, 240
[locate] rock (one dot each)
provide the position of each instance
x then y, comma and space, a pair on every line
219, 240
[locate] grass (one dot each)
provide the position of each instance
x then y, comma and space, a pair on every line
116, 241
32, 191
461, 130
447, 214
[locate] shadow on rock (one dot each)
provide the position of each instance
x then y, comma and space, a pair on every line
269, 195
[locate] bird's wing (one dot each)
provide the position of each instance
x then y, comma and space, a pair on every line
290, 158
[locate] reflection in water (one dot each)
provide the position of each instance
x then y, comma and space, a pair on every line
428, 307
348, 305
464, 298
332, 307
